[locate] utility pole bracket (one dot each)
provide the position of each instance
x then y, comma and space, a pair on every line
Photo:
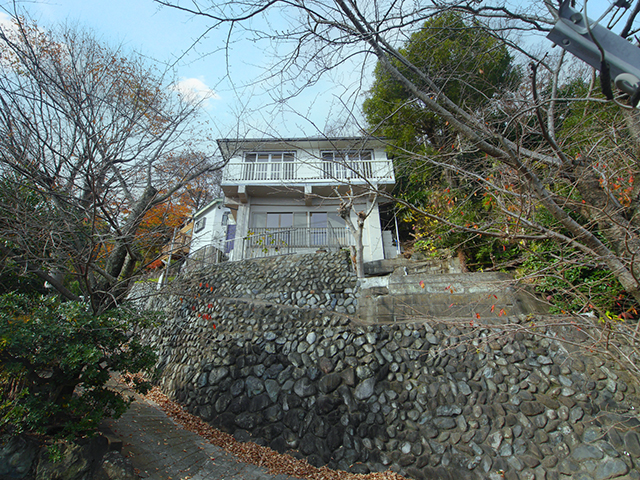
572, 33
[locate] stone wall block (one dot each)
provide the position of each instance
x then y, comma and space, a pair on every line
287, 364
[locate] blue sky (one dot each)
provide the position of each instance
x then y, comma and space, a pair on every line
237, 105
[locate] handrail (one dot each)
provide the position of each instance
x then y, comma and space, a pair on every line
266, 242
266, 172
280, 241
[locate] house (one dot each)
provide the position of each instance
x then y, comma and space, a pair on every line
212, 235
284, 194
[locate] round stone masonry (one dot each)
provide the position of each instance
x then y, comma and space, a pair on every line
429, 400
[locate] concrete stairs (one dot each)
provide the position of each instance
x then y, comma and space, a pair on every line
439, 289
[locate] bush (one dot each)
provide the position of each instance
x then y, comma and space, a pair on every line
55, 361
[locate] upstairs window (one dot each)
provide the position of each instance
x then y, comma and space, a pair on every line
347, 165
269, 166
199, 225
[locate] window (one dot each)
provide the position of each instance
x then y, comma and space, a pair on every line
318, 228
272, 220
269, 166
318, 220
279, 220
349, 164
199, 225
272, 230
299, 229
225, 219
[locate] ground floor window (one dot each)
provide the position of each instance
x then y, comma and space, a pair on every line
272, 220
302, 229
297, 220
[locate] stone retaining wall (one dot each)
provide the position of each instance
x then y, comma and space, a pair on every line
267, 350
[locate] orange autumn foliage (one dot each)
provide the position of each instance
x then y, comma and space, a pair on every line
157, 226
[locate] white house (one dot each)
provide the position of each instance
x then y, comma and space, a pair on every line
284, 194
212, 227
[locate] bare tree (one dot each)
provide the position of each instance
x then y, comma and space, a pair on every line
347, 206
84, 133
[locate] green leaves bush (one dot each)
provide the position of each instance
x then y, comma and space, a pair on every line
56, 359
571, 285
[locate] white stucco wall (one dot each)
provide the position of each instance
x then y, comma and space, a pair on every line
214, 232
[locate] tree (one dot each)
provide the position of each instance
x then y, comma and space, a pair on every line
469, 65
348, 202
201, 190
472, 67
158, 226
85, 132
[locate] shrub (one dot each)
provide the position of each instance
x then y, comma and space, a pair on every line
55, 361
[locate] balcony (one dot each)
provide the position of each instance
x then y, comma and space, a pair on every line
261, 177
236, 170
265, 242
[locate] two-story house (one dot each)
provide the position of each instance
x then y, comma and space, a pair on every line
284, 194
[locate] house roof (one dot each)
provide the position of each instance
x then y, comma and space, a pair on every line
203, 210
230, 146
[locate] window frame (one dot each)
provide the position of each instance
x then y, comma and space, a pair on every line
347, 164
274, 165
199, 224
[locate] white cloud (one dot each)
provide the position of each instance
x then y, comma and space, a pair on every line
6, 22
195, 90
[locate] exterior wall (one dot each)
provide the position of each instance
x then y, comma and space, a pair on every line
214, 232
374, 249
242, 229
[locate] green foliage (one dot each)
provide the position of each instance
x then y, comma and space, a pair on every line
14, 279
471, 67
585, 126
55, 361
570, 285
468, 64
427, 248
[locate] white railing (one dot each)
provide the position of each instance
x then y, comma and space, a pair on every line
205, 256
269, 172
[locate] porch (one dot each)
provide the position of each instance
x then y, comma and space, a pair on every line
265, 242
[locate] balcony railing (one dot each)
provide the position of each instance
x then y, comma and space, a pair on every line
270, 172
205, 256
264, 242
267, 242
178, 247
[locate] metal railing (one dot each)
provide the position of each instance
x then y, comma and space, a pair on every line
263, 172
264, 242
208, 255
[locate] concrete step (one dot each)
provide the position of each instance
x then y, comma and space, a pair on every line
402, 266
399, 297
